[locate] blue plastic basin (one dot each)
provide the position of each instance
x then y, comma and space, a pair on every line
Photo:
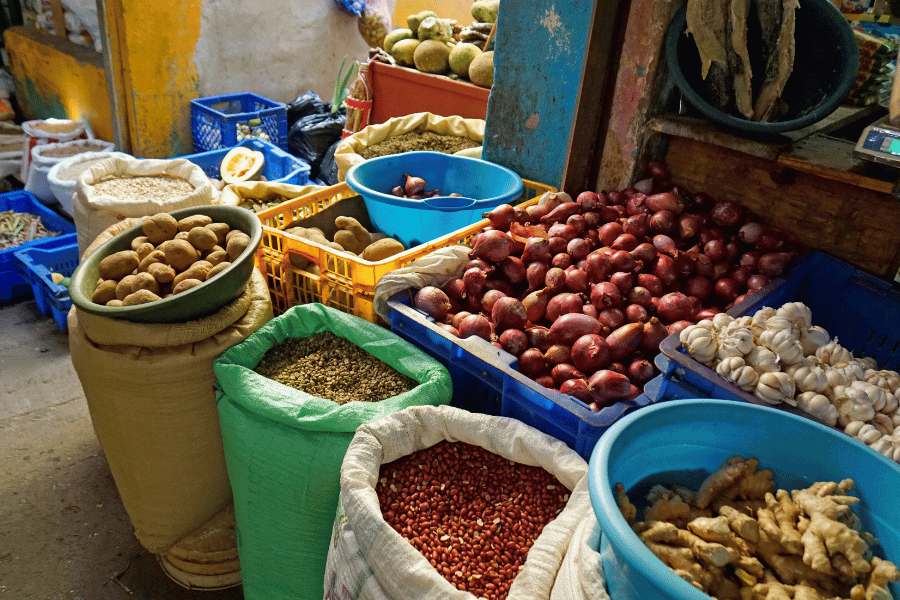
483, 185
683, 441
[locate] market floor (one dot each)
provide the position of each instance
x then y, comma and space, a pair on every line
64, 534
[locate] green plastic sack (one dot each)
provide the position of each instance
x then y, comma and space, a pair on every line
284, 448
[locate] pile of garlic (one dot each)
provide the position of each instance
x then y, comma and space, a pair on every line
781, 357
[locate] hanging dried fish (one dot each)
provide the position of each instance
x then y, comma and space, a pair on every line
780, 58
739, 57
707, 23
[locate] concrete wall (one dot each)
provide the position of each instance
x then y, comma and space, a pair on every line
448, 9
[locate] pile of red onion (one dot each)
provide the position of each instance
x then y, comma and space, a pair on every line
583, 291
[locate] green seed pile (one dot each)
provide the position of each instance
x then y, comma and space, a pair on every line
330, 367
416, 140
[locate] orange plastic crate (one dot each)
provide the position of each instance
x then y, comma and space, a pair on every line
345, 281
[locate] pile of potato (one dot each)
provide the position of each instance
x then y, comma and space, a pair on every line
171, 257
351, 237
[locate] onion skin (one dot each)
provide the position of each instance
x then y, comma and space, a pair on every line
568, 328
621, 260
617, 367
609, 232
636, 225
625, 340
492, 246
501, 217
640, 296
557, 354
662, 221
664, 201
475, 280
635, 313
576, 280
535, 275
749, 260
588, 200
514, 341
636, 204
769, 241
434, 302
706, 313
564, 372
675, 306
740, 275
536, 250
689, 226
749, 233
641, 371
489, 298
538, 337
475, 325
477, 263
622, 280
726, 214
590, 310
605, 295
606, 385
555, 279
577, 388
651, 282
563, 304
592, 218
703, 265
715, 250
556, 244
773, 264
508, 313
590, 352
611, 318
578, 222
654, 333
536, 211
578, 248
561, 261
532, 363
535, 304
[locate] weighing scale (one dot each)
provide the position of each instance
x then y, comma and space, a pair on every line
880, 142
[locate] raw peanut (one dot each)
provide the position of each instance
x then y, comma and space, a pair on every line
217, 269
180, 254
133, 283
160, 227
221, 230
118, 265
202, 238
157, 256
198, 270
216, 257
140, 297
237, 244
188, 223
144, 249
181, 235
138, 241
161, 272
114, 302
185, 285
104, 292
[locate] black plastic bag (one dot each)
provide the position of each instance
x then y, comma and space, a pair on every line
307, 103
311, 136
328, 169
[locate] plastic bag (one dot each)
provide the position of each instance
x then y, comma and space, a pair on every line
307, 103
328, 170
354, 7
435, 268
310, 137
284, 448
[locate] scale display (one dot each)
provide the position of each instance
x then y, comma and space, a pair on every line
879, 144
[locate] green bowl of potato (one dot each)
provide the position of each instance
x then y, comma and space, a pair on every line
173, 268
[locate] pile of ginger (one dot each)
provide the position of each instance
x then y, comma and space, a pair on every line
738, 538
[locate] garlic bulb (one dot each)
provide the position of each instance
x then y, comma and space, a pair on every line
868, 434
852, 404
758, 321
797, 313
739, 323
783, 343
810, 379
721, 320
896, 453
883, 447
700, 342
835, 377
890, 404
735, 342
813, 338
876, 395
773, 388
853, 427
867, 362
736, 371
852, 370
834, 354
889, 380
819, 407
762, 360
883, 423
777, 323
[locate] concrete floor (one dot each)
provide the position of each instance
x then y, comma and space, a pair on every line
64, 534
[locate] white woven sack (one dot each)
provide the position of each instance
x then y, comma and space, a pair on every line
63, 188
42, 161
47, 131
581, 574
369, 560
94, 211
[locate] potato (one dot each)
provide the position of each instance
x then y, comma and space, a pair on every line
160, 227
215, 248
234, 232
114, 302
202, 238
157, 256
237, 244
217, 269
198, 270
180, 254
133, 283
186, 285
216, 257
104, 292
144, 249
136, 242
221, 230
118, 265
188, 223
349, 241
140, 297
181, 235
382, 249
161, 272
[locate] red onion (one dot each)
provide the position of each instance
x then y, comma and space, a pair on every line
637, 225
658, 170
590, 352
513, 269
577, 388
720, 269
568, 328
740, 275
622, 280
606, 385
563, 304
617, 198
726, 288
563, 230
653, 283
621, 260
640, 296
555, 279
706, 313
636, 204
612, 318
489, 298
590, 310
455, 290
520, 215
588, 200
557, 354
458, 317
475, 325
536, 250
689, 226
531, 362
664, 201
654, 333
501, 217
678, 327
546, 381
492, 246
605, 295
564, 372
665, 269
578, 248
556, 244
538, 337
635, 313
626, 241
474, 279
561, 212
561, 260
625, 340
536, 211
645, 253
644, 186
477, 263
576, 280
535, 304
749, 260
675, 306
749, 233
535, 274
715, 250
710, 233
641, 371
592, 218
732, 250
609, 232
703, 265
502, 285
726, 214
773, 264
433, 302
577, 222
684, 265
699, 286
449, 328
664, 244
617, 367
768, 242
598, 266
662, 221
757, 282
592, 237
514, 341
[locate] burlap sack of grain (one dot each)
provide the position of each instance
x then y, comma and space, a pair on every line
369, 560
347, 153
94, 211
262, 192
207, 557
150, 391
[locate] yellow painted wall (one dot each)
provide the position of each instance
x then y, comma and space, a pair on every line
55, 78
448, 9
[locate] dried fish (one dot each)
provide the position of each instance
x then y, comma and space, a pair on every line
707, 23
739, 57
780, 61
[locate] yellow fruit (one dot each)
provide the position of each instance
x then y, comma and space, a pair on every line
241, 164
481, 71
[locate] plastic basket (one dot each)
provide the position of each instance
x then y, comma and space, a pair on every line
12, 283
280, 167
485, 380
345, 281
37, 265
214, 119
860, 309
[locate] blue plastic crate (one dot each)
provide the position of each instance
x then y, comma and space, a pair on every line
13, 285
280, 167
863, 311
485, 380
214, 119
37, 265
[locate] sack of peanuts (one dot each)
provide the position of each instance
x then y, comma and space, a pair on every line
438, 502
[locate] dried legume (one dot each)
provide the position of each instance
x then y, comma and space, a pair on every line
135, 189
419, 140
16, 228
330, 367
472, 514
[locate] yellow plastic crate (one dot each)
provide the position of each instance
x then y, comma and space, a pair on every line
345, 281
